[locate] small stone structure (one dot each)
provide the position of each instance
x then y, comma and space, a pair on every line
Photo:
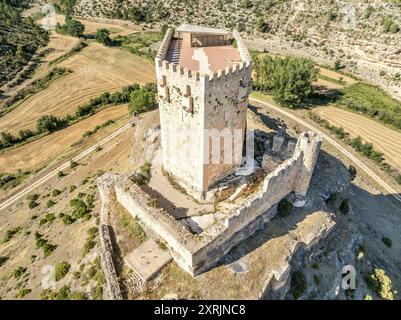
112, 289
147, 259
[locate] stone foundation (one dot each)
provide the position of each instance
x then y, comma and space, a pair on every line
198, 253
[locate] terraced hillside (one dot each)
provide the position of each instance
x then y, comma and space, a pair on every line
362, 36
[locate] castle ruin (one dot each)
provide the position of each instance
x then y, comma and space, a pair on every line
204, 80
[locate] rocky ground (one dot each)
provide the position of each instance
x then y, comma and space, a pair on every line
352, 33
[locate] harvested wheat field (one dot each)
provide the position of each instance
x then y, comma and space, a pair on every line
384, 139
40, 152
337, 76
96, 69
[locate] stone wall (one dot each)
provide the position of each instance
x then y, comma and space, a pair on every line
196, 254
112, 290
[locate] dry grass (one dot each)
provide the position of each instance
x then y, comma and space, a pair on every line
384, 139
96, 69
42, 151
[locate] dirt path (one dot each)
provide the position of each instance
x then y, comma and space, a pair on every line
384, 139
42, 151
330, 140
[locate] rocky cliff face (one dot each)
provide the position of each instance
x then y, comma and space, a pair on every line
362, 35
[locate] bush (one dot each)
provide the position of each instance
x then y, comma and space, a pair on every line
61, 270
50, 203
50, 123
32, 204
298, 284
72, 188
284, 208
72, 27
61, 174
55, 192
18, 272
352, 172
46, 246
73, 164
380, 283
387, 241
23, 292
10, 234
344, 207
3, 260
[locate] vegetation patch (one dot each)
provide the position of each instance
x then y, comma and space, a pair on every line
10, 234
373, 102
284, 208
298, 284
44, 244
289, 80
381, 284
61, 270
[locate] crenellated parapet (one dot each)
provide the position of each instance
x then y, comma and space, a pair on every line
243, 51
161, 54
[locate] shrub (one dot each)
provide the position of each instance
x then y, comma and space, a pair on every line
61, 270
32, 204
352, 172
50, 123
18, 272
47, 247
344, 207
387, 241
103, 36
3, 260
380, 283
55, 192
73, 164
61, 174
284, 208
298, 284
50, 203
72, 188
23, 292
10, 234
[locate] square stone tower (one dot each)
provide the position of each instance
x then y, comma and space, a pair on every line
203, 80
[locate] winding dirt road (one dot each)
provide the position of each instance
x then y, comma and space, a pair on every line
330, 140
64, 166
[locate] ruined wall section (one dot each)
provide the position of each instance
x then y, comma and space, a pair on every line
309, 143
106, 189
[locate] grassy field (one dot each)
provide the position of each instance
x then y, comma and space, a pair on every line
95, 69
42, 151
385, 140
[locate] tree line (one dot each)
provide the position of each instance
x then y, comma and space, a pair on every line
289, 80
140, 99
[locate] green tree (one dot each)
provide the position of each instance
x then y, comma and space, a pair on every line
103, 36
49, 123
289, 79
262, 25
142, 100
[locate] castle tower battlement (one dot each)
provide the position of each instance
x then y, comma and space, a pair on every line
203, 85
